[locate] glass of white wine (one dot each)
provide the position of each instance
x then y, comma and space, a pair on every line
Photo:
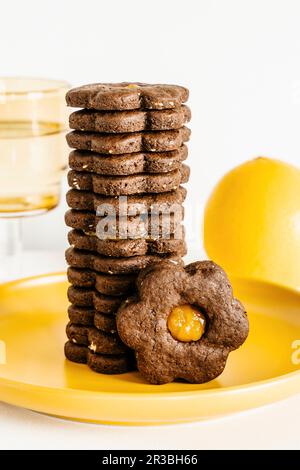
33, 122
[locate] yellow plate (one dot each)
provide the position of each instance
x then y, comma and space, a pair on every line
37, 376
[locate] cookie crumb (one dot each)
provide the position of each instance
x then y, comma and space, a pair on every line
92, 347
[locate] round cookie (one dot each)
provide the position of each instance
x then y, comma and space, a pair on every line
128, 185
78, 334
76, 352
170, 340
104, 343
127, 164
82, 220
129, 121
110, 364
136, 203
87, 297
107, 284
127, 95
110, 265
81, 277
154, 141
81, 315
104, 364
85, 316
105, 323
129, 247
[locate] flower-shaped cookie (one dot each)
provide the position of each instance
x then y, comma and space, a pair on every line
183, 323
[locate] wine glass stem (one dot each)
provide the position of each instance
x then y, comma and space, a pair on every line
10, 248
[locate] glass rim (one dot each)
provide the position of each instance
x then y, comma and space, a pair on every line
53, 85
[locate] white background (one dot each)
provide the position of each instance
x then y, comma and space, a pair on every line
239, 58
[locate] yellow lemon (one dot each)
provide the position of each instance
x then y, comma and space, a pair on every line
252, 222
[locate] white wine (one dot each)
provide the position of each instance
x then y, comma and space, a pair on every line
32, 158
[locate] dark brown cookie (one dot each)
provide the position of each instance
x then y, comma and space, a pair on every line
96, 340
126, 95
81, 315
103, 343
87, 200
132, 184
142, 226
154, 141
105, 323
129, 247
103, 364
89, 297
127, 164
151, 323
88, 316
108, 364
81, 277
78, 334
76, 352
129, 121
107, 284
109, 265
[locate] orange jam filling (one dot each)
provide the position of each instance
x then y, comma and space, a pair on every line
186, 323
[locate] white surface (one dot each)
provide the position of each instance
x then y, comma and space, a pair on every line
240, 60
272, 427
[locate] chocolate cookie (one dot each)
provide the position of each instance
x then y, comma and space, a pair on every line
142, 226
132, 184
128, 163
183, 323
89, 297
154, 141
76, 352
78, 334
81, 315
87, 200
108, 364
110, 265
88, 316
127, 248
107, 284
102, 364
126, 95
96, 340
129, 121
104, 343
105, 323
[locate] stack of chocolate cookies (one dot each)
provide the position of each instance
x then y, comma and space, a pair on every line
126, 202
